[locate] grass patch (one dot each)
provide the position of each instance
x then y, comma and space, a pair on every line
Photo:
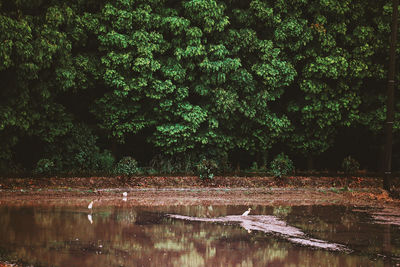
340, 190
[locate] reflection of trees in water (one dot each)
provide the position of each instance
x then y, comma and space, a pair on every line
325, 222
126, 216
342, 225
141, 236
58, 237
282, 211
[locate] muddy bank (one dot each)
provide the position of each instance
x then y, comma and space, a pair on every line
175, 190
199, 196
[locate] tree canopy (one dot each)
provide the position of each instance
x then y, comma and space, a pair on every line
88, 82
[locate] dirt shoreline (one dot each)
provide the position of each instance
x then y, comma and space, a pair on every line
205, 196
160, 191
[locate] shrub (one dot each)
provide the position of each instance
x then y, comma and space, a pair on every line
186, 164
77, 152
126, 166
150, 171
162, 164
254, 167
44, 166
104, 161
173, 164
281, 166
206, 168
350, 165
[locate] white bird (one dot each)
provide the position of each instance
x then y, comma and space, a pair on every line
90, 205
246, 212
125, 194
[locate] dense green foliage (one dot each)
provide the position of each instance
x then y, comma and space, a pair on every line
126, 166
88, 82
350, 165
206, 169
281, 166
44, 167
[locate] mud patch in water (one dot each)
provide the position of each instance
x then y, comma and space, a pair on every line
270, 224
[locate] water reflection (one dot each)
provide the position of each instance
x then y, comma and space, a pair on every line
144, 236
90, 218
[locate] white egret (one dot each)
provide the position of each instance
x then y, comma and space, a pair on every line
125, 194
90, 205
246, 212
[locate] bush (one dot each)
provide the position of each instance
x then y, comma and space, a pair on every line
77, 153
206, 169
350, 165
173, 164
150, 171
254, 167
127, 166
45, 167
257, 168
281, 166
162, 164
104, 161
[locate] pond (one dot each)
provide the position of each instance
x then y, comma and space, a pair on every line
197, 236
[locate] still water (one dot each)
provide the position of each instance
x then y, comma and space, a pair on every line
197, 236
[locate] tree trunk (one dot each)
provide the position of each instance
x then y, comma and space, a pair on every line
390, 99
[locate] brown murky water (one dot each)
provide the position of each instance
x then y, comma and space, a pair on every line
197, 236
